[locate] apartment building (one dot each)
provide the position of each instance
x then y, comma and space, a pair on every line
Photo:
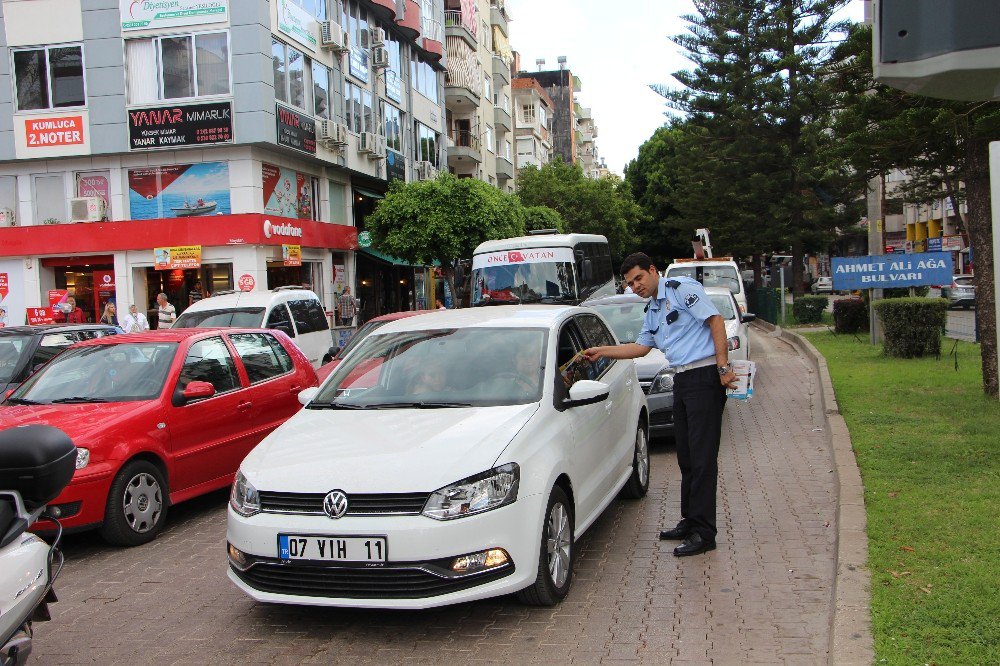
587, 141
478, 91
533, 109
561, 87
933, 227
241, 143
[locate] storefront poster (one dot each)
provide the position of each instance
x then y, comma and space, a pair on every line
181, 190
178, 126
297, 23
291, 255
951, 244
4, 285
57, 299
11, 291
296, 130
246, 282
339, 278
93, 185
181, 257
286, 193
38, 316
358, 64
104, 285
153, 14
395, 165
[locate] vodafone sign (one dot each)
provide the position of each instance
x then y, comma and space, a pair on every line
287, 230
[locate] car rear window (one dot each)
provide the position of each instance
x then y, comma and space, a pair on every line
967, 281
309, 316
230, 318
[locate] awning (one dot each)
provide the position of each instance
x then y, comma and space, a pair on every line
368, 193
388, 258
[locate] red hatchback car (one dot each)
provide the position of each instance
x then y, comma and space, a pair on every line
159, 418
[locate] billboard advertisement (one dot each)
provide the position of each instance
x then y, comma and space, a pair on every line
287, 193
178, 126
180, 257
155, 14
179, 190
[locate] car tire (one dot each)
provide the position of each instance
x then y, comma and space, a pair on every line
136, 509
555, 570
638, 483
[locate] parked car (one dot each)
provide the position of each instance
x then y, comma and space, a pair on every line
452, 456
961, 292
24, 349
363, 331
822, 285
625, 314
737, 329
158, 418
712, 272
298, 313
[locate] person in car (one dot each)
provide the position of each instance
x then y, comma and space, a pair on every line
430, 379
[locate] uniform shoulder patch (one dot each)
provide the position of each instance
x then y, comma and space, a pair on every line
690, 300
673, 284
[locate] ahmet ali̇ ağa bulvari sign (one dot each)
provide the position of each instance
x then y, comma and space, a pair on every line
891, 270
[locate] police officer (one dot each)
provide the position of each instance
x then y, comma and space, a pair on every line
683, 323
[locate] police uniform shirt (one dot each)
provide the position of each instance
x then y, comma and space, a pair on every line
675, 321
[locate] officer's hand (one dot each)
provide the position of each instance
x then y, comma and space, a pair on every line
728, 380
593, 353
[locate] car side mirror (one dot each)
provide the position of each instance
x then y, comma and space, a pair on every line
306, 395
747, 317
587, 392
197, 390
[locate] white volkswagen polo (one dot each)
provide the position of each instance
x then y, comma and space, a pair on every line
452, 456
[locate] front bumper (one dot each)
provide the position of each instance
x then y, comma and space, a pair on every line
661, 411
415, 574
83, 501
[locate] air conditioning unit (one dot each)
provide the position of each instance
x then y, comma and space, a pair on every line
7, 218
333, 37
380, 148
426, 171
87, 209
380, 57
364, 39
378, 37
368, 142
331, 132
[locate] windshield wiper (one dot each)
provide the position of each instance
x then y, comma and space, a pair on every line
334, 405
556, 299
22, 401
76, 399
497, 301
417, 405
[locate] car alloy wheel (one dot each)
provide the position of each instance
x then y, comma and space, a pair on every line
559, 544
556, 550
638, 483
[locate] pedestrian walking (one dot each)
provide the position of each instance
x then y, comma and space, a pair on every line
166, 314
347, 306
110, 316
134, 321
196, 294
683, 323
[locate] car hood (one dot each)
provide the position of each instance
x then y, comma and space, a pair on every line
84, 423
382, 450
647, 366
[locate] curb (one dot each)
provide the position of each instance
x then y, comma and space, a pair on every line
851, 636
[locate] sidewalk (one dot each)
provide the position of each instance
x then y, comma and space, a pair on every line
766, 595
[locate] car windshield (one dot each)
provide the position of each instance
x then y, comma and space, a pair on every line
625, 319
710, 276
965, 281
440, 368
724, 304
360, 335
523, 283
230, 318
103, 373
11, 348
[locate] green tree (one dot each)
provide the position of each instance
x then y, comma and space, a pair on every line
543, 217
603, 206
941, 144
443, 220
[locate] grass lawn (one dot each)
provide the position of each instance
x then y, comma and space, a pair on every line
928, 444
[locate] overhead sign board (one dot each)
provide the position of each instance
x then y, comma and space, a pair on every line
181, 256
153, 14
296, 130
891, 271
179, 126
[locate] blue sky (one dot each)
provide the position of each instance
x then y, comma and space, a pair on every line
617, 49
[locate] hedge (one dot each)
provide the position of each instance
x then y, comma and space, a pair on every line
850, 315
912, 326
809, 309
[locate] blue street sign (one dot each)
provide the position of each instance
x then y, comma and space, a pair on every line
934, 244
890, 271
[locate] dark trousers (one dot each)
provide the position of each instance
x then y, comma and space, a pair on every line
699, 399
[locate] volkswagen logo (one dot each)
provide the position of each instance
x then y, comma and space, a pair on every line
335, 504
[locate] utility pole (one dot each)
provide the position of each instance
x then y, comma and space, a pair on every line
876, 246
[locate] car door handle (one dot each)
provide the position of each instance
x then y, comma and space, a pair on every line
295, 389
244, 406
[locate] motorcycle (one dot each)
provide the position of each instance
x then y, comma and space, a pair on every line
36, 463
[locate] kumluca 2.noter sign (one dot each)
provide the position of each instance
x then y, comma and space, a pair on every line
891, 270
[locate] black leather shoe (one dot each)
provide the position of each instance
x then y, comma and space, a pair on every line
694, 545
681, 531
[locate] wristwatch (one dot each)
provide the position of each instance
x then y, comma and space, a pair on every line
723, 369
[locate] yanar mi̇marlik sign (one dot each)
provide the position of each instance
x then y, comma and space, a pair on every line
891, 270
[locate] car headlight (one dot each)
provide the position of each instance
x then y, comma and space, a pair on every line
244, 498
663, 382
82, 457
476, 494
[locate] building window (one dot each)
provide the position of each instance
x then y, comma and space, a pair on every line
315, 7
423, 77
292, 75
321, 90
177, 67
488, 138
528, 113
393, 127
50, 199
49, 77
368, 108
425, 149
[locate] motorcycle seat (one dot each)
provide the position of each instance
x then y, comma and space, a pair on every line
11, 525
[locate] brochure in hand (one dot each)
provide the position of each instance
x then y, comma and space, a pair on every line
745, 371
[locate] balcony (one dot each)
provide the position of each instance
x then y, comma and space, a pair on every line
505, 168
464, 149
501, 69
463, 85
461, 25
502, 119
499, 16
